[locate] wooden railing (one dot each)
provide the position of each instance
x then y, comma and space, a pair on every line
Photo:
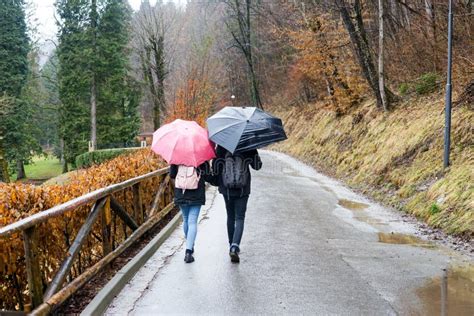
57, 292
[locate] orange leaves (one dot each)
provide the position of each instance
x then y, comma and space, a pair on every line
193, 101
324, 66
18, 201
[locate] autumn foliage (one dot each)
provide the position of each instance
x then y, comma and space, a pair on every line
323, 65
18, 201
193, 102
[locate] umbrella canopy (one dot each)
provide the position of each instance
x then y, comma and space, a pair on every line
183, 143
239, 129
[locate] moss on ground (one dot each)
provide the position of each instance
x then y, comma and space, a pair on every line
394, 157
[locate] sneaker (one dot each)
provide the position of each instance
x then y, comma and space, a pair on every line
234, 254
188, 257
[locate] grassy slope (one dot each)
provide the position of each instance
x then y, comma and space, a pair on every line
394, 157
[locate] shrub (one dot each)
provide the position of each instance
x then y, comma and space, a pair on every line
434, 209
18, 201
427, 83
403, 89
96, 157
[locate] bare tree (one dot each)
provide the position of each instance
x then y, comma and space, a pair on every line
152, 25
238, 23
352, 18
430, 13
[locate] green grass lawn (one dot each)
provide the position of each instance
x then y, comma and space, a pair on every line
43, 168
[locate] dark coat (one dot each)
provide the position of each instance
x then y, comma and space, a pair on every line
253, 160
197, 196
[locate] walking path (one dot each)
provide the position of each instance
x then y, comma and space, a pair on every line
310, 246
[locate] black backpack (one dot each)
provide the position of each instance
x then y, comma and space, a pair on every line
235, 174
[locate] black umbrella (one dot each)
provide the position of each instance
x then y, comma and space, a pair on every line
239, 129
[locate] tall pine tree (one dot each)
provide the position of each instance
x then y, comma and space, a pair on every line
117, 92
14, 45
73, 77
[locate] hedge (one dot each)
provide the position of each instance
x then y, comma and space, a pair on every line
18, 200
96, 157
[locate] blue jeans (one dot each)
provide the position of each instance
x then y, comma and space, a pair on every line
190, 215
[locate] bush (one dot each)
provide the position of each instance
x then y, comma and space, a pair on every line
434, 209
427, 83
96, 157
403, 89
18, 201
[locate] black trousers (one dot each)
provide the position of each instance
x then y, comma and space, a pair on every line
236, 208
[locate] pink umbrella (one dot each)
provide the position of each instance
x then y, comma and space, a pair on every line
183, 143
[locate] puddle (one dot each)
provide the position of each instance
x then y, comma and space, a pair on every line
449, 294
402, 239
352, 205
371, 221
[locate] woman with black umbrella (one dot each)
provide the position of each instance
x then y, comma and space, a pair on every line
238, 132
233, 178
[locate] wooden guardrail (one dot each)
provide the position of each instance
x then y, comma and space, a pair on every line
57, 292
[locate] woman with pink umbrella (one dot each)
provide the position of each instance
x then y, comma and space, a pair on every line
186, 147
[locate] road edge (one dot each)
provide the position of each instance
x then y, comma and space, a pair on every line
106, 295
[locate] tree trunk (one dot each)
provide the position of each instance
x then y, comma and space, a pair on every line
383, 96
160, 74
93, 114
4, 176
93, 82
149, 79
244, 42
406, 14
62, 158
257, 102
20, 170
431, 30
360, 44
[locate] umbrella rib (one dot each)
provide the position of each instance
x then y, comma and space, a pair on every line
174, 147
194, 153
225, 116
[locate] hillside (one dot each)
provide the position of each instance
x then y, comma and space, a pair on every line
395, 157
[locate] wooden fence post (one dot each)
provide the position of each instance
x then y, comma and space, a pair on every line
105, 220
75, 249
35, 283
137, 203
124, 216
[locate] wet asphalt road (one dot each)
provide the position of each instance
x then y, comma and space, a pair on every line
310, 246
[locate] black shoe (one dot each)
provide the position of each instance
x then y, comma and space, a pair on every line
188, 257
234, 254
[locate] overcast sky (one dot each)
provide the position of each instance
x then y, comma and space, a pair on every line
42, 16
43, 13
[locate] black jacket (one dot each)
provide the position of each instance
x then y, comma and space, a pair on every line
197, 196
250, 156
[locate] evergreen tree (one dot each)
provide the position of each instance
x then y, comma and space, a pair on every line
117, 92
26, 118
97, 95
14, 45
73, 77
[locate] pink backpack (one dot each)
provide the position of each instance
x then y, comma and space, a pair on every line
187, 178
